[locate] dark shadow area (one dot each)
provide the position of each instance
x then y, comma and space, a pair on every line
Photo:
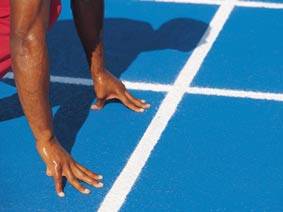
124, 40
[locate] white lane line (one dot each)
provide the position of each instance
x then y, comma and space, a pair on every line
206, 2
157, 87
255, 4
117, 195
144, 86
236, 93
148, 86
130, 85
266, 5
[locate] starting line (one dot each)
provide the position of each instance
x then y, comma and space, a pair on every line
158, 87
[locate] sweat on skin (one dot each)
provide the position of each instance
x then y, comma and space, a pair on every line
23, 27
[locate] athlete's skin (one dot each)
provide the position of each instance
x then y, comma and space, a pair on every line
29, 24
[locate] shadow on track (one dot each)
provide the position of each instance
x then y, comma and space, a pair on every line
124, 40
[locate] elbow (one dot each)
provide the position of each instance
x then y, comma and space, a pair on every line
25, 47
21, 42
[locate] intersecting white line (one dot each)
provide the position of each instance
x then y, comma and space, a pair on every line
255, 4
158, 87
117, 195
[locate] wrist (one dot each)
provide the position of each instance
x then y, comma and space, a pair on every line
45, 137
97, 75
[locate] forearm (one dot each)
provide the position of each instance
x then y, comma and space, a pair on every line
30, 66
88, 17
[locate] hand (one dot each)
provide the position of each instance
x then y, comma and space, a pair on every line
109, 87
59, 163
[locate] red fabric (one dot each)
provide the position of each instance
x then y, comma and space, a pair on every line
55, 10
5, 56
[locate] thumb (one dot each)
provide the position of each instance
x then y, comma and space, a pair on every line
98, 104
58, 182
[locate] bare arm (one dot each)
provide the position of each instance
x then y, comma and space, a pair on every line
29, 22
88, 16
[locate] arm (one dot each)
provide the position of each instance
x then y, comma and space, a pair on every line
29, 22
30, 65
88, 16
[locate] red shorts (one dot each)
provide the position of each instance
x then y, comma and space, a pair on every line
5, 56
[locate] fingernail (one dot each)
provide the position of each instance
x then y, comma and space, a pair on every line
141, 110
142, 100
147, 105
86, 191
61, 194
99, 185
99, 177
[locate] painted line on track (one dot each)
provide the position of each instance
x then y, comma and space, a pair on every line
236, 93
164, 88
253, 4
144, 86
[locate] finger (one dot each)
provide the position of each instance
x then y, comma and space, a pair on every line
124, 99
74, 182
89, 173
137, 102
99, 104
85, 178
58, 181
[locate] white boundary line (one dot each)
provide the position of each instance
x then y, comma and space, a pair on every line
157, 87
236, 93
266, 5
206, 2
117, 195
255, 4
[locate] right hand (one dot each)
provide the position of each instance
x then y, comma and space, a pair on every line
107, 87
60, 163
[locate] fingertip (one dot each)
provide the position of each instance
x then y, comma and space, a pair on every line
141, 110
99, 177
147, 105
61, 194
99, 185
95, 107
86, 191
48, 174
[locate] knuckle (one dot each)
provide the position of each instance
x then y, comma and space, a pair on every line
72, 179
79, 174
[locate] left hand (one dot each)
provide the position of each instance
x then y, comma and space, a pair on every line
60, 163
109, 87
